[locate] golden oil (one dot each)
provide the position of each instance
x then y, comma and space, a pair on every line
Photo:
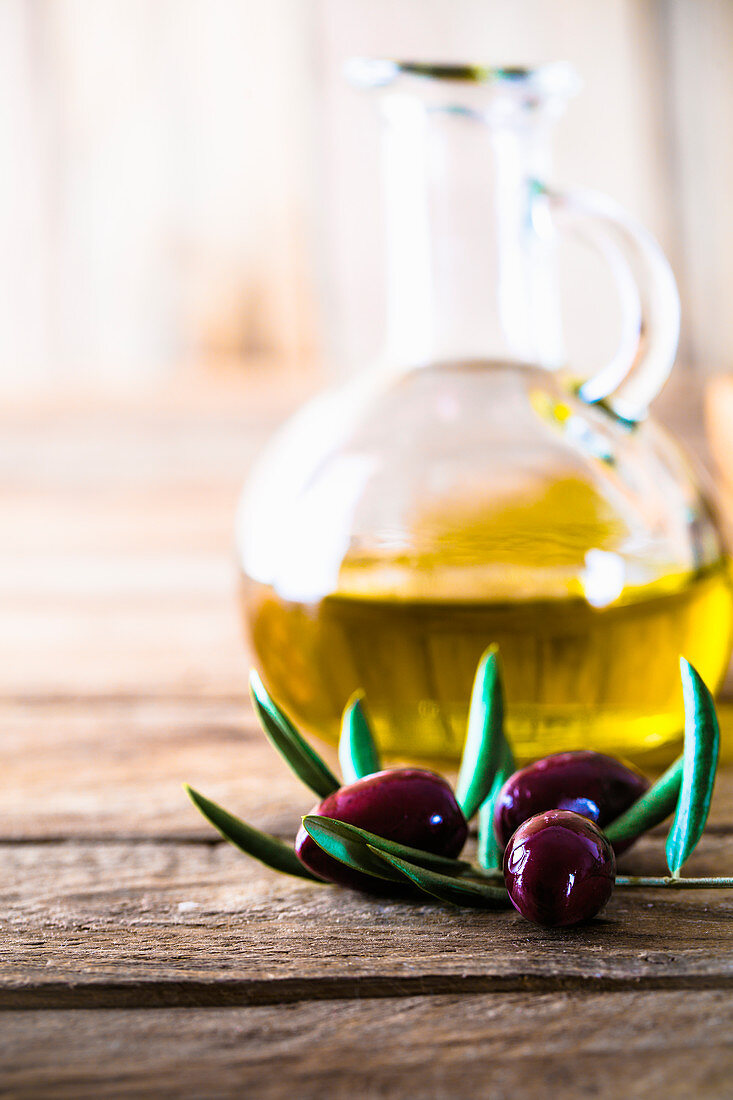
409, 630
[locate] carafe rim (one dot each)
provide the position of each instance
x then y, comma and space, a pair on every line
554, 78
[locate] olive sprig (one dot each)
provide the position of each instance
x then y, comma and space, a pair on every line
486, 756
685, 789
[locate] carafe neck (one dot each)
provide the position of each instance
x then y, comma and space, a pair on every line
470, 269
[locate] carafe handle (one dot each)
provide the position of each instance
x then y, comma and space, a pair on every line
650, 304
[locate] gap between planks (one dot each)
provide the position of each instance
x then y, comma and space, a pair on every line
237, 993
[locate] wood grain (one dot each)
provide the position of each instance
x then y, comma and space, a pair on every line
636, 1045
123, 761
147, 924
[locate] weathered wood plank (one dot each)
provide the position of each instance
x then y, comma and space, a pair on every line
117, 569
150, 924
116, 768
105, 768
637, 1045
136, 646
123, 761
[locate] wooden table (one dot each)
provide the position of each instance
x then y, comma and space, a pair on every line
139, 955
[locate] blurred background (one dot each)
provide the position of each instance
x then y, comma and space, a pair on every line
190, 182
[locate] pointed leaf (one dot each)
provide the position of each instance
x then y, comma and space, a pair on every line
303, 760
484, 736
489, 853
353, 843
651, 808
337, 840
268, 849
446, 888
358, 753
700, 761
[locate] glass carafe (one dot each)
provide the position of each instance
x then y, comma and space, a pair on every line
469, 488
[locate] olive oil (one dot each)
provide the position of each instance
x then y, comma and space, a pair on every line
575, 675
550, 560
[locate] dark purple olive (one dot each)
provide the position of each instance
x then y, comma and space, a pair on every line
409, 805
559, 869
596, 786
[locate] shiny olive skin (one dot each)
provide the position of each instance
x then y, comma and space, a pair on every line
408, 805
596, 786
559, 869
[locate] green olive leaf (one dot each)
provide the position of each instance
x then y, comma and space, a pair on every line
344, 843
268, 849
353, 843
358, 753
446, 888
303, 760
484, 735
489, 853
700, 762
650, 808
